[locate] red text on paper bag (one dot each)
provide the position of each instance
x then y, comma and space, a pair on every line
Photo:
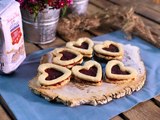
16, 35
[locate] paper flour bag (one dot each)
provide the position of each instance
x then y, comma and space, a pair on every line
12, 50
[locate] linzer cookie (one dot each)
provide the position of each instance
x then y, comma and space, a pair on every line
83, 45
52, 76
90, 73
109, 50
87, 85
116, 72
66, 57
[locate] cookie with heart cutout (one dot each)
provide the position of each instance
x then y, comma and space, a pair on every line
75, 94
117, 73
109, 50
83, 45
52, 76
90, 73
66, 57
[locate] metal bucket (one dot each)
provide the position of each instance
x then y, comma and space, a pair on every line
79, 6
43, 29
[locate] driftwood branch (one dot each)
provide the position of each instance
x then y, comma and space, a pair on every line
125, 19
114, 17
73, 24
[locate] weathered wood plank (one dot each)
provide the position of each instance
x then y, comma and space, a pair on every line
146, 110
99, 6
140, 9
79, 35
134, 2
30, 48
151, 24
57, 43
117, 118
92, 10
152, 4
148, 3
122, 2
101, 30
154, 27
148, 13
101, 3
3, 114
158, 98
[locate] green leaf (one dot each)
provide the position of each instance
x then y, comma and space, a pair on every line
64, 11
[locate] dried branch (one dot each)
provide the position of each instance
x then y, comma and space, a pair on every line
122, 18
73, 24
125, 19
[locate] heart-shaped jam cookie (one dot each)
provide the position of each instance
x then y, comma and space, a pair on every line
117, 72
90, 73
53, 75
109, 50
83, 45
66, 57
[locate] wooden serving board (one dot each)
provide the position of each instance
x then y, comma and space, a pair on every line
74, 94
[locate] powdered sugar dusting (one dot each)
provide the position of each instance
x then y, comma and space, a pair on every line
132, 57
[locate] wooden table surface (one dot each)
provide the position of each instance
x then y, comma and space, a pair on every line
150, 13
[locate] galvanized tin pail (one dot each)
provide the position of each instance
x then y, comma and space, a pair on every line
79, 6
41, 30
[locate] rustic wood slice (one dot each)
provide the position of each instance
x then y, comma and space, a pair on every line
74, 94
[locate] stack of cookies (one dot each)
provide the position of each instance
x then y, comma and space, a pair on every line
109, 50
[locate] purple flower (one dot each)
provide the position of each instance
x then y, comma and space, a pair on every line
35, 6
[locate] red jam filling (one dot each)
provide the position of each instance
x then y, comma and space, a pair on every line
111, 48
84, 45
67, 55
116, 70
91, 72
53, 73
87, 82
